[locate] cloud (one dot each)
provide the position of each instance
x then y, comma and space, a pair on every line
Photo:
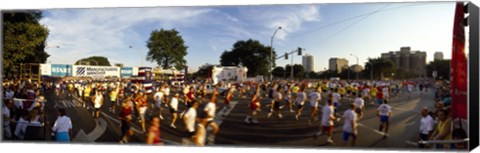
104, 32
289, 17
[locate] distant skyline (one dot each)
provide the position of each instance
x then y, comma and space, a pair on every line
324, 30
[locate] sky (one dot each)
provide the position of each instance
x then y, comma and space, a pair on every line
325, 30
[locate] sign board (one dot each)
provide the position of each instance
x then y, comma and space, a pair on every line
96, 71
46, 69
61, 70
126, 72
227, 74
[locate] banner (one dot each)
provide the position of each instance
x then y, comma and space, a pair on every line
96, 71
126, 72
61, 70
459, 66
46, 69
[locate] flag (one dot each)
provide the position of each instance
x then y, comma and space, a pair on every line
459, 66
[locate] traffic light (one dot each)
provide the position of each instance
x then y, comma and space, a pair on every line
299, 51
286, 55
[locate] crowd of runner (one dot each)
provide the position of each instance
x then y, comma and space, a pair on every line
130, 102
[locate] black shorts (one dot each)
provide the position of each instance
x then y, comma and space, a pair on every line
125, 127
299, 106
191, 134
173, 111
276, 105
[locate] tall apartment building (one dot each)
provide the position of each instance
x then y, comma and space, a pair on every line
409, 61
337, 64
308, 62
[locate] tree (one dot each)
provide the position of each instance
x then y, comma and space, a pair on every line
279, 72
167, 48
251, 54
441, 66
204, 71
379, 68
23, 39
93, 60
298, 71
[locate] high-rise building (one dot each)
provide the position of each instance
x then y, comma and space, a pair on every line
408, 61
337, 64
308, 62
438, 56
356, 68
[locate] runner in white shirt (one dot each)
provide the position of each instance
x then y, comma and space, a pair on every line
360, 109
427, 125
385, 92
97, 103
173, 105
189, 118
166, 92
315, 98
158, 97
336, 99
276, 102
300, 100
384, 112
350, 126
210, 110
327, 121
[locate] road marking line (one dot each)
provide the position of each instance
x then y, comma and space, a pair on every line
411, 143
100, 128
219, 117
371, 129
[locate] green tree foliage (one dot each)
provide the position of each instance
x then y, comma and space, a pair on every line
251, 54
278, 72
167, 48
93, 60
203, 71
379, 68
298, 71
441, 66
23, 39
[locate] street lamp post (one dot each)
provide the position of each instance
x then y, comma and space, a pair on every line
141, 56
271, 52
356, 75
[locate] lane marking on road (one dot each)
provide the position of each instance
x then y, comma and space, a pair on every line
100, 128
372, 129
224, 112
411, 143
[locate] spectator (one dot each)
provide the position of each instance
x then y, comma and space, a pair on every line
63, 127
443, 129
426, 127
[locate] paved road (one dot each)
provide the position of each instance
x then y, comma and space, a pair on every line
287, 132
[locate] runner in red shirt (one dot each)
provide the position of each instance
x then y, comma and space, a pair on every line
141, 102
190, 96
380, 97
153, 137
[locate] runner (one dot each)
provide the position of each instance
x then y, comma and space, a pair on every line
189, 118
327, 121
126, 118
350, 128
113, 99
209, 110
300, 99
173, 105
62, 129
336, 101
228, 98
275, 106
384, 112
315, 98
360, 106
380, 97
288, 98
190, 96
255, 108
86, 95
141, 103
153, 136
158, 98
97, 103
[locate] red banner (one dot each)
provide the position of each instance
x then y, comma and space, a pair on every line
459, 66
